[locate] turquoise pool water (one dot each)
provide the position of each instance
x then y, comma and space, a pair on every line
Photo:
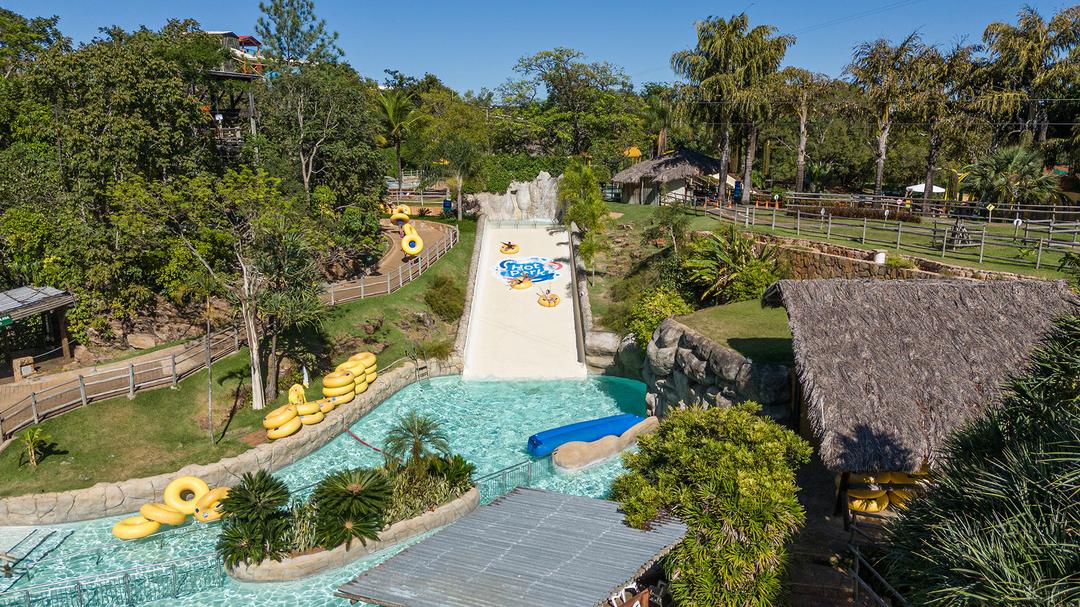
487, 422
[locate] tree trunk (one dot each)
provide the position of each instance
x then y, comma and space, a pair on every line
882, 148
258, 397
1043, 121
800, 154
725, 159
397, 155
209, 377
273, 366
661, 142
459, 208
748, 170
931, 161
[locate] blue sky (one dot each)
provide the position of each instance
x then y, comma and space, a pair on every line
475, 44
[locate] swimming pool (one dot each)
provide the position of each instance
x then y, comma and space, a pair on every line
486, 422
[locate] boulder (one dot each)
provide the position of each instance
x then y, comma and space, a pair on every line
629, 359
602, 343
768, 384
142, 341
82, 355
725, 362
661, 359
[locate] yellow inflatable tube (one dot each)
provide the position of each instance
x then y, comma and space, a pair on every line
307, 408
871, 505
162, 513
311, 420
403, 209
412, 244
135, 527
344, 398
174, 493
548, 302
325, 405
287, 429
338, 379
352, 366
338, 391
296, 394
509, 248
365, 358
208, 507
521, 284
399, 219
279, 416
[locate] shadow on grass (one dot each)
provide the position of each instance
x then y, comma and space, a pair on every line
45, 452
764, 349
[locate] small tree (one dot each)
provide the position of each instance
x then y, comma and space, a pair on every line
580, 203
255, 524
729, 267
998, 524
462, 157
351, 505
729, 475
653, 307
670, 222
34, 442
414, 437
400, 116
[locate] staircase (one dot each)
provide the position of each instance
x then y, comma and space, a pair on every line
22, 557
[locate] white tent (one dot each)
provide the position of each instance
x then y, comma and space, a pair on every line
919, 188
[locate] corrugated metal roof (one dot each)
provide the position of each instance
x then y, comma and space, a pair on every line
529, 547
21, 302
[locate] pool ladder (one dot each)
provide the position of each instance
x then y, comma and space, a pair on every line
30, 550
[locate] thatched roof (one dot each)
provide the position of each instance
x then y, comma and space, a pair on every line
679, 164
890, 367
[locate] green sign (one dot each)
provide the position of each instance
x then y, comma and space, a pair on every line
5, 321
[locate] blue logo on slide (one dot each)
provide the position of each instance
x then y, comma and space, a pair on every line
539, 269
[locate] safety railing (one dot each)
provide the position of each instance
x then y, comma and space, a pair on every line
134, 586
968, 209
117, 380
1039, 245
521, 474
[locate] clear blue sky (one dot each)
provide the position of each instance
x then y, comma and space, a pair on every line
475, 44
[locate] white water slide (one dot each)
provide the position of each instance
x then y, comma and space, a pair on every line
512, 336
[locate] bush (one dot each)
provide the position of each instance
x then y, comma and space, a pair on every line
455, 469
446, 298
654, 306
729, 474
897, 261
730, 267
255, 524
497, 171
416, 492
998, 523
350, 504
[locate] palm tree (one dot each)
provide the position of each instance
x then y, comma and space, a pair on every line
661, 116
399, 115
801, 87
883, 71
1012, 176
943, 86
728, 267
1031, 62
414, 437
723, 67
462, 156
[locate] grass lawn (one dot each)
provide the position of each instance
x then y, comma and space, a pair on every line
760, 334
163, 430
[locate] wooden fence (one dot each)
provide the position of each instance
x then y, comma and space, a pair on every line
168, 371
1036, 244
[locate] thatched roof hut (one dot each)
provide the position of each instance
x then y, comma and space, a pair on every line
888, 368
679, 164
646, 181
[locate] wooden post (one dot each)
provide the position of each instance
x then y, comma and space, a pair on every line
828, 234
798, 221
982, 243
82, 390
131, 381
33, 408
332, 302
1038, 256
772, 223
945, 237
173, 359
899, 230
65, 345
361, 288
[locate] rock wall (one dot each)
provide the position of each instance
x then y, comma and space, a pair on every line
683, 367
536, 199
115, 498
305, 565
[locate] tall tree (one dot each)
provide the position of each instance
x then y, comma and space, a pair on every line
802, 90
1012, 176
22, 40
1031, 62
400, 116
294, 35
728, 58
661, 116
462, 157
943, 87
883, 71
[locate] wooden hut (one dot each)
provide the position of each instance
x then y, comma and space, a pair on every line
646, 182
887, 369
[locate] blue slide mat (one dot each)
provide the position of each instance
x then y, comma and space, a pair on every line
543, 443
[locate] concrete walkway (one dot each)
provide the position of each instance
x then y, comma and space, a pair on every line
511, 336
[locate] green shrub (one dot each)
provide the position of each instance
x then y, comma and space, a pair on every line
439, 348
455, 469
351, 505
255, 524
446, 298
498, 170
413, 438
654, 306
998, 523
730, 267
416, 492
729, 474
897, 261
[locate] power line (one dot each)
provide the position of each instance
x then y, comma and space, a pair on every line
854, 16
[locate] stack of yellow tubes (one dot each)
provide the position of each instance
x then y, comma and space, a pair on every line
187, 495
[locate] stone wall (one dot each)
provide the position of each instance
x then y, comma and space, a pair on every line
536, 199
111, 499
683, 367
305, 565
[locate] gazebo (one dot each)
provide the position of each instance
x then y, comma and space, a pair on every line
647, 181
47, 306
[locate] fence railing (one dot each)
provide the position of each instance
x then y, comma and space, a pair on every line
134, 586
1036, 244
972, 209
169, 370
521, 474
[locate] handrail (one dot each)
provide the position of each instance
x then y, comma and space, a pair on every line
860, 563
75, 583
66, 396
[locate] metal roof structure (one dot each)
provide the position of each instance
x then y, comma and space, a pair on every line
529, 547
22, 302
